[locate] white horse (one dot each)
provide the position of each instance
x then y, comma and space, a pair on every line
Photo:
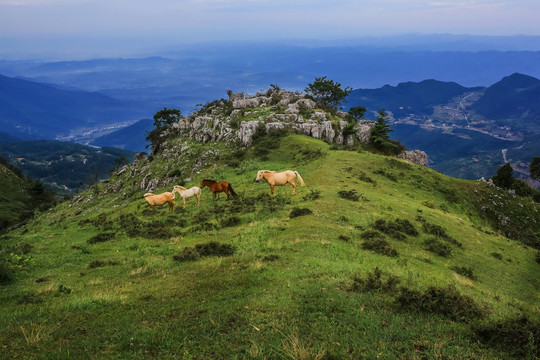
187, 193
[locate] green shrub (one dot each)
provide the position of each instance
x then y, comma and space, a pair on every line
396, 229
379, 246
445, 301
101, 237
7, 273
388, 175
230, 221
374, 282
214, 248
98, 263
437, 247
299, 212
270, 257
188, 254
312, 195
344, 238
349, 195
63, 289
439, 231
466, 271
371, 234
362, 176
519, 337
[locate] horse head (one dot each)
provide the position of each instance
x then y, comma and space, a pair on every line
259, 175
178, 188
207, 182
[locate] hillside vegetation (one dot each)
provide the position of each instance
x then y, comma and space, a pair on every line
20, 197
374, 258
63, 166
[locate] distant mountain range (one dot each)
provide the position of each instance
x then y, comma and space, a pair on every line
468, 132
31, 110
514, 97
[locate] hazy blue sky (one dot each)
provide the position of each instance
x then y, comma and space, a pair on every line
157, 22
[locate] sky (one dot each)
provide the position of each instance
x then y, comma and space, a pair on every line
58, 25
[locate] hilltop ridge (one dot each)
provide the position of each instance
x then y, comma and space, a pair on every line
243, 117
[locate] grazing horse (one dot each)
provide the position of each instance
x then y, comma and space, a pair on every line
273, 178
217, 187
185, 193
160, 199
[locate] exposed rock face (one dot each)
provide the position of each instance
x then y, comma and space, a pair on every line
297, 114
415, 156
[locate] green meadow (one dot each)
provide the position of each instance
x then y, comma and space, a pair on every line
375, 258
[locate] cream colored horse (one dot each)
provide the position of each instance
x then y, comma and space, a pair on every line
159, 199
273, 178
187, 193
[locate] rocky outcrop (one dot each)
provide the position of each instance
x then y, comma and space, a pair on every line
277, 109
415, 156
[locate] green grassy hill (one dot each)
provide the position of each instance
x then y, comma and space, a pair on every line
14, 198
374, 258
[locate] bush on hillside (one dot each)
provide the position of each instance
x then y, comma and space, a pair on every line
437, 247
349, 195
444, 301
375, 282
299, 212
101, 237
396, 229
212, 248
379, 246
520, 337
466, 271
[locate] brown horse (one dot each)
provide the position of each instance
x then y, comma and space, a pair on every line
159, 199
273, 178
218, 187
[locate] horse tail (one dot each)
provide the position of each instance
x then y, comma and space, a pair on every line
299, 178
232, 191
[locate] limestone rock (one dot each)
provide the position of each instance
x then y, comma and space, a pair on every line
415, 156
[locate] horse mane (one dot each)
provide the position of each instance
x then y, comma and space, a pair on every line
179, 187
148, 194
209, 180
267, 171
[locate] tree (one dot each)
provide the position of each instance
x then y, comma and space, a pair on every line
327, 92
166, 117
380, 138
504, 177
163, 120
357, 112
534, 168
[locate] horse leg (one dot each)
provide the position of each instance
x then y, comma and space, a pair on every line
294, 187
272, 189
184, 202
198, 199
227, 193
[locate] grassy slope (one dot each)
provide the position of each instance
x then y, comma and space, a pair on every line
284, 293
13, 197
